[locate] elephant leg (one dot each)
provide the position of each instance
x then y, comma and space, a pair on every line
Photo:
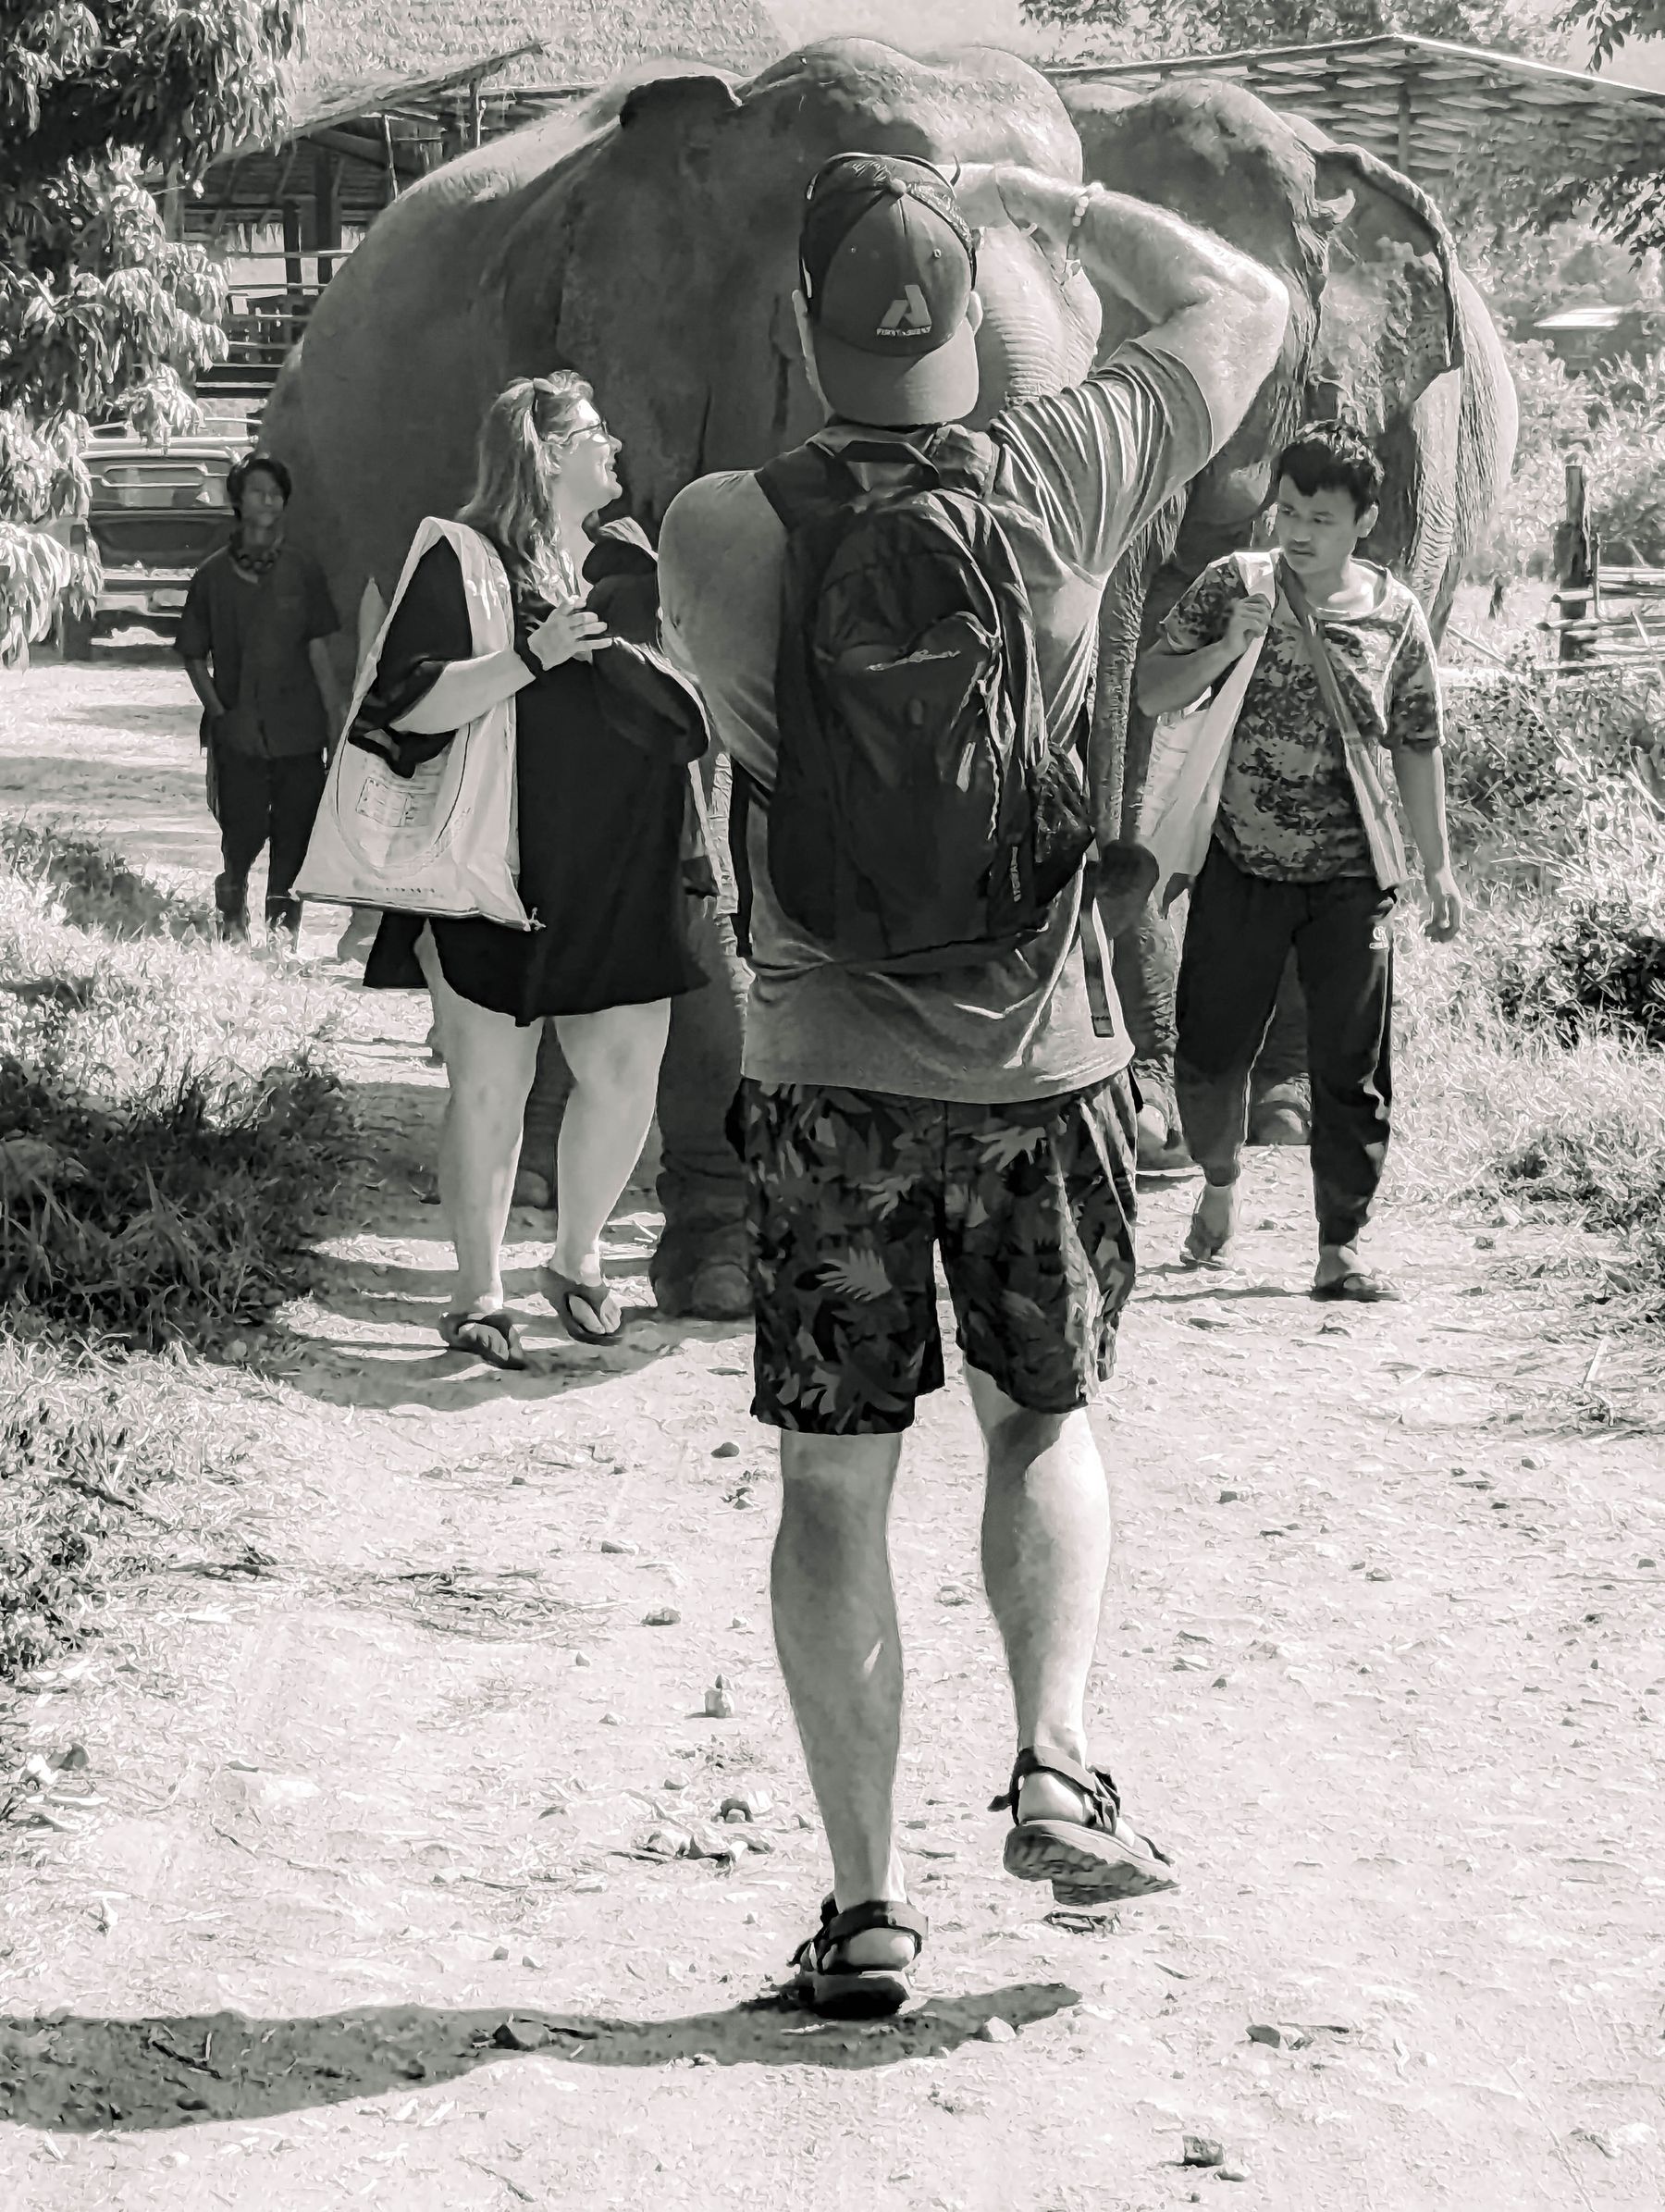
1280, 1097
1147, 975
699, 1270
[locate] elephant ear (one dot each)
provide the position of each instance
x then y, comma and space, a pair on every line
1389, 322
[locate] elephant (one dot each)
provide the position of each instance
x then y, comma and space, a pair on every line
1381, 317
651, 244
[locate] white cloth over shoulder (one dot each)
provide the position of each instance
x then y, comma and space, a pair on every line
1188, 754
443, 840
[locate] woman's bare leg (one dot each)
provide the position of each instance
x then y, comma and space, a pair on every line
615, 1057
488, 1061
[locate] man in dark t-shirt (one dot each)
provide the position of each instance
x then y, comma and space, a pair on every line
252, 638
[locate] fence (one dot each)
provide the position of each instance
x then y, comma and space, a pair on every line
1601, 615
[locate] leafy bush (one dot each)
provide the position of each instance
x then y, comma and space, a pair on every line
93, 887
1594, 960
80, 1444
1536, 764
168, 1138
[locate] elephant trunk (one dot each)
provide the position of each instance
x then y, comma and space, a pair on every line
1037, 334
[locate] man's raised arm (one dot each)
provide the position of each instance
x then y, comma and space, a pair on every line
1210, 307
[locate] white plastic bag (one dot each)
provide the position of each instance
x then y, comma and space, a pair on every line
1187, 771
443, 840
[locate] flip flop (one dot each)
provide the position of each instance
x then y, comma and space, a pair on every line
477, 1332
1358, 1286
841, 1990
582, 1307
1088, 1861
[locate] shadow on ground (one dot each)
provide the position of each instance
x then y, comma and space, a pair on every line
81, 2075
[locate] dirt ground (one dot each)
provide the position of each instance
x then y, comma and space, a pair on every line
355, 1898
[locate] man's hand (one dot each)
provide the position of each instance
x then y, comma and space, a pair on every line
1445, 902
977, 194
1124, 879
1247, 620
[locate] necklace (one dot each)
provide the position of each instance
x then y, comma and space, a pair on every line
255, 560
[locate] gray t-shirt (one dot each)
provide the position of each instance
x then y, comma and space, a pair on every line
1081, 472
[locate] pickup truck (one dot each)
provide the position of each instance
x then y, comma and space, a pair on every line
155, 514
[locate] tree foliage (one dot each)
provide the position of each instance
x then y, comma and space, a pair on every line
1227, 26
100, 312
1615, 23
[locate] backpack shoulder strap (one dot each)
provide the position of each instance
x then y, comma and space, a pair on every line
793, 481
972, 456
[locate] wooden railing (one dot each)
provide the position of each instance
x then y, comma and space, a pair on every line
1601, 615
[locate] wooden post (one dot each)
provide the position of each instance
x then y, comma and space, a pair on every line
326, 218
294, 269
387, 131
1404, 127
1574, 562
476, 113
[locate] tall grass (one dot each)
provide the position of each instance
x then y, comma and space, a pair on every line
169, 1136
1532, 1051
171, 1142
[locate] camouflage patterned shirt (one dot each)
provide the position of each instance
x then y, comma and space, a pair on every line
1287, 809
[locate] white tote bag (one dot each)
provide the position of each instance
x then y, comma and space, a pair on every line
443, 840
1187, 771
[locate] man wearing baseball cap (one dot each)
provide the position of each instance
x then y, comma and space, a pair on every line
981, 1110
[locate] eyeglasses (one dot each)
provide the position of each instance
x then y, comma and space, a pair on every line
595, 429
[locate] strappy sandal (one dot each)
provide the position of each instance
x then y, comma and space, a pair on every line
1087, 1861
491, 1336
581, 1307
846, 1992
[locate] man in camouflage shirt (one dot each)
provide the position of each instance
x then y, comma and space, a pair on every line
1306, 850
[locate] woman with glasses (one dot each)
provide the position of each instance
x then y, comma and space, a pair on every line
601, 754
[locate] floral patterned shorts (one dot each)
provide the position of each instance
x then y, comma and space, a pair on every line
848, 1191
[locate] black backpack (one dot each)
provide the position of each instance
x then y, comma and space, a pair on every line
920, 821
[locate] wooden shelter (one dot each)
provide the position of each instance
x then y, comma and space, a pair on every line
1425, 105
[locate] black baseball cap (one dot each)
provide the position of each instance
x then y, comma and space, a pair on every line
888, 265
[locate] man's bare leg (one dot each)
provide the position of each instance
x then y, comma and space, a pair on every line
1046, 1534
840, 1651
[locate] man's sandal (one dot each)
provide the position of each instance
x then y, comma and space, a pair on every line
826, 1980
490, 1337
1357, 1287
1088, 1861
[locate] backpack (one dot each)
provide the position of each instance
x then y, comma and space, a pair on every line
921, 820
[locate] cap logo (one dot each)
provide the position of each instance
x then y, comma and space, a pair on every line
909, 312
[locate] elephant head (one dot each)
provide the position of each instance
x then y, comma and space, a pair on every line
649, 243
1368, 267
677, 248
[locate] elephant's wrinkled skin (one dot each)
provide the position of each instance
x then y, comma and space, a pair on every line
656, 254
1378, 310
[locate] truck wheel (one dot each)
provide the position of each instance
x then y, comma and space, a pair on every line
75, 632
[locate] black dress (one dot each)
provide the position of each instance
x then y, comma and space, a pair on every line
600, 816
